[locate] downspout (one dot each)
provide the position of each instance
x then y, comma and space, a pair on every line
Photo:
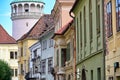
74, 48
40, 41
104, 40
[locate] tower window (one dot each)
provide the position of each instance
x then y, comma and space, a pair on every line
26, 23
26, 10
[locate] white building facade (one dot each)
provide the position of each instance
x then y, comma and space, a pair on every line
47, 56
35, 57
42, 58
24, 15
8, 53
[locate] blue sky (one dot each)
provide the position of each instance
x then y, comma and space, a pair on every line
5, 12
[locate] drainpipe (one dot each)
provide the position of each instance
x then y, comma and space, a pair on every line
104, 40
74, 48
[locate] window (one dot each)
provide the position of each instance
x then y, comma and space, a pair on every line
57, 58
68, 52
98, 17
77, 36
44, 45
16, 72
85, 26
11, 55
50, 42
50, 62
69, 77
63, 57
36, 69
15, 55
90, 20
91, 74
81, 30
35, 53
43, 66
33, 68
22, 72
110, 78
12, 70
21, 51
25, 65
99, 74
109, 19
118, 14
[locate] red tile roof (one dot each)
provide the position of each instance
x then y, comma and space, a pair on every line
5, 38
40, 27
64, 28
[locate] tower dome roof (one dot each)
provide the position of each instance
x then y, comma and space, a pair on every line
17, 1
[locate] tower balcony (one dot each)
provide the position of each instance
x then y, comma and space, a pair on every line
26, 15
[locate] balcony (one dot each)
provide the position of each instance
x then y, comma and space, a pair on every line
24, 15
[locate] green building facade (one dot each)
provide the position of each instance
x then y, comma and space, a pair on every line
89, 39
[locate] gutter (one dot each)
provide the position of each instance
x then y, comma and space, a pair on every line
74, 48
104, 42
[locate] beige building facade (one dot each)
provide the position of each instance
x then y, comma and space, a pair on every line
9, 51
112, 20
24, 56
64, 38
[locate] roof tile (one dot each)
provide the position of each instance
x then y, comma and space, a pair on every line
5, 38
41, 26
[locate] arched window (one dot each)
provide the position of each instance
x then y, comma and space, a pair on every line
83, 74
20, 8
38, 8
32, 6
15, 9
26, 6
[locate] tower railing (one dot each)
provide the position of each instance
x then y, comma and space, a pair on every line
25, 15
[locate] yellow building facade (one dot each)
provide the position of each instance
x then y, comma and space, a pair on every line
24, 56
112, 20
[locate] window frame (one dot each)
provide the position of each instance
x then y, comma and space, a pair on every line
117, 15
90, 20
16, 54
16, 72
11, 55
98, 17
109, 20
43, 66
50, 63
44, 44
